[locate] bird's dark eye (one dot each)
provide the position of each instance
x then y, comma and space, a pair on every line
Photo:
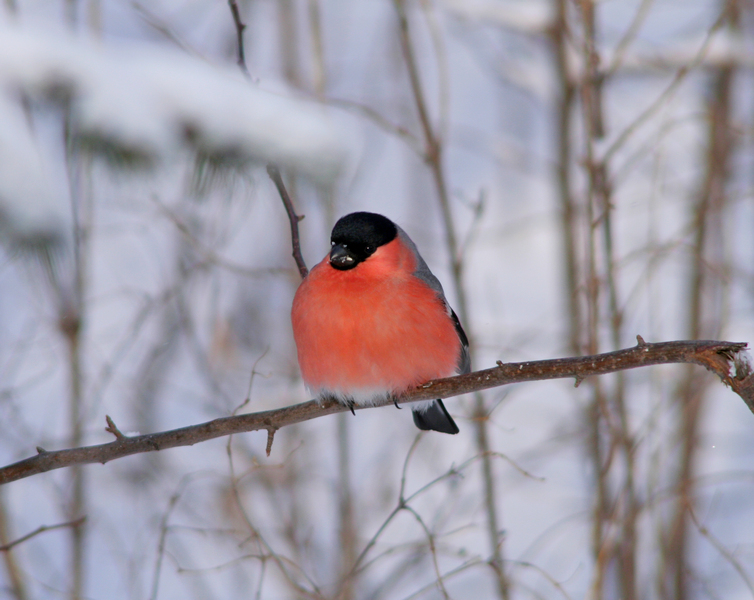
368, 249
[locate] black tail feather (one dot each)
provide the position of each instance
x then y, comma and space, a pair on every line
435, 418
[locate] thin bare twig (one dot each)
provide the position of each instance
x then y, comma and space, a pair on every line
472, 562
16, 582
113, 428
266, 551
401, 504
318, 48
380, 121
240, 26
274, 174
566, 198
164, 534
718, 357
162, 28
39, 530
210, 256
543, 573
668, 92
727, 554
432, 550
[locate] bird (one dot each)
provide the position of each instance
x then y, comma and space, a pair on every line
371, 321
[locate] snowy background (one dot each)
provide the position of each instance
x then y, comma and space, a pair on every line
145, 274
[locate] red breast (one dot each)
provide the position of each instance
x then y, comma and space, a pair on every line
375, 327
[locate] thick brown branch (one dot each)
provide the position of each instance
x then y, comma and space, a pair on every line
274, 174
718, 357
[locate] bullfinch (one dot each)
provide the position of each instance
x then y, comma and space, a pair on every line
371, 321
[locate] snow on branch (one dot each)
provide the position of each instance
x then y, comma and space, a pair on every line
32, 215
143, 103
150, 100
727, 359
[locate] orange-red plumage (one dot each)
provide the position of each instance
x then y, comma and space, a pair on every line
375, 327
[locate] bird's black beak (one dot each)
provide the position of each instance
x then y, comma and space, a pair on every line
342, 258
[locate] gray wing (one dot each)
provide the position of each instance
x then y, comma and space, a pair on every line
422, 272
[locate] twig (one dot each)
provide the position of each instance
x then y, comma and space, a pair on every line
432, 550
274, 174
545, 574
459, 569
727, 554
348, 534
318, 49
715, 356
265, 549
162, 28
210, 256
164, 534
112, 428
16, 581
77, 523
380, 121
568, 209
667, 93
403, 504
400, 506
240, 26
628, 37
270, 437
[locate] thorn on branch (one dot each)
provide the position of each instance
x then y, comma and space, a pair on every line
640, 341
111, 428
41, 450
270, 436
577, 381
499, 363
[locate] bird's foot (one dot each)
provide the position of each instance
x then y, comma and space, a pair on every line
350, 404
395, 401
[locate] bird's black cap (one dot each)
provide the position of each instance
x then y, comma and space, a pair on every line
355, 238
